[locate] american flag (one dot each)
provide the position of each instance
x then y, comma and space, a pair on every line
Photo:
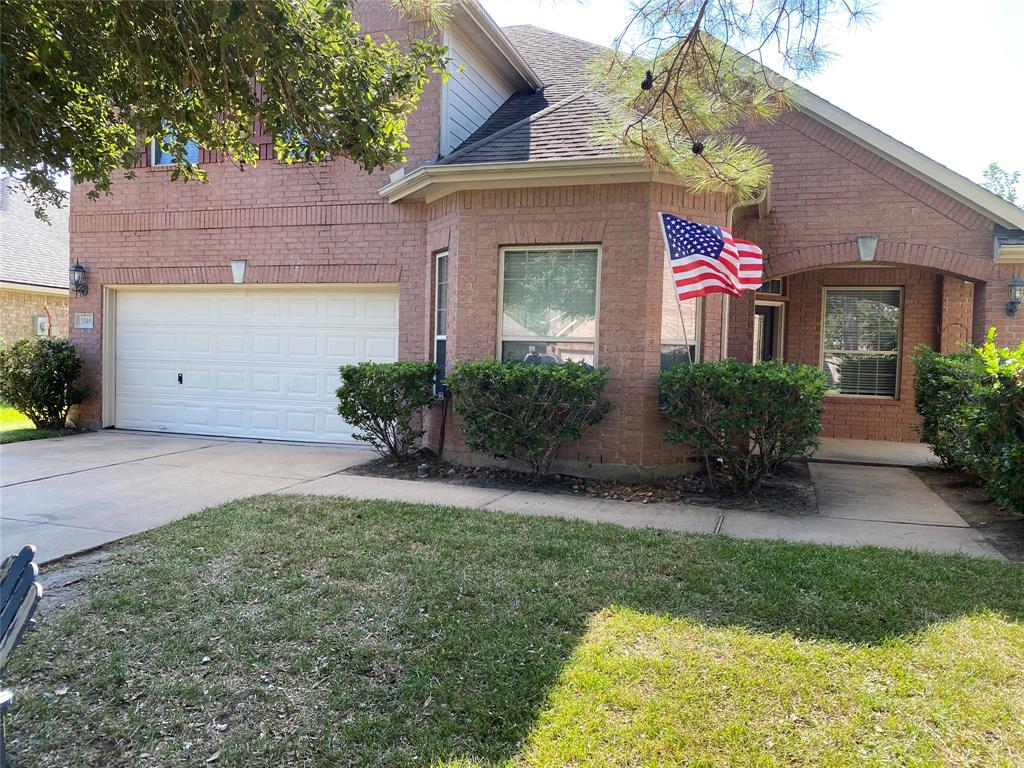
708, 259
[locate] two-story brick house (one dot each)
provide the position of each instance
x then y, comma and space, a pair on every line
225, 308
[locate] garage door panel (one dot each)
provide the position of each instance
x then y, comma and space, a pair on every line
258, 363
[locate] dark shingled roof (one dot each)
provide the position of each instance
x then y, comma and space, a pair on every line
555, 123
1006, 236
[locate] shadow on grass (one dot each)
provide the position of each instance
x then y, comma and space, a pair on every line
346, 633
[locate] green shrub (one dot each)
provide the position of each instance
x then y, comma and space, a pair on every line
525, 412
972, 412
41, 378
385, 402
751, 418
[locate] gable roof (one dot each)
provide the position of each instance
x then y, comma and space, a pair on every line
556, 124
32, 252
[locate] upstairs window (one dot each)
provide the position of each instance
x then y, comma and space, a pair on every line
861, 348
162, 157
549, 304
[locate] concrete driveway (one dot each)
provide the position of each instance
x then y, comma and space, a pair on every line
72, 493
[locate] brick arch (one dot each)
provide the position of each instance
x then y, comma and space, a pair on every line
887, 252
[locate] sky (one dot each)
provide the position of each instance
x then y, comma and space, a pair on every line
943, 76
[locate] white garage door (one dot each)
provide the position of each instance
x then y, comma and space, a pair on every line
249, 362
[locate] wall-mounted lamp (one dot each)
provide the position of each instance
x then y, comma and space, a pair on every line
76, 275
1016, 297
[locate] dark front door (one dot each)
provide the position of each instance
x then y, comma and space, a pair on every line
767, 328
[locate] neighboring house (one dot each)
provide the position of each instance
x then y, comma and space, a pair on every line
225, 308
33, 269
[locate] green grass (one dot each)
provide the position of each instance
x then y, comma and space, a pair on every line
306, 631
14, 428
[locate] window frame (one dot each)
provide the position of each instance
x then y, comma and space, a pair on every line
780, 329
439, 387
899, 339
153, 147
549, 339
698, 324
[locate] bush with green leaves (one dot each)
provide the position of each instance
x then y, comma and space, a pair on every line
972, 411
385, 402
525, 412
41, 378
750, 418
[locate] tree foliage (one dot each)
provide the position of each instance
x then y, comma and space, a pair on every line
1001, 182
686, 75
85, 82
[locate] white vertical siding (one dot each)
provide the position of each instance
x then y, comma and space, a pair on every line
470, 96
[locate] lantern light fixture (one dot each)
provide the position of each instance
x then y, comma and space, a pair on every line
76, 275
1016, 286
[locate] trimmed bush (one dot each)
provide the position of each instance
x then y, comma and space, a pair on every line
972, 410
41, 378
751, 418
385, 402
524, 412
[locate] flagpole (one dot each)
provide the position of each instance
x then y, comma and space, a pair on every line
679, 304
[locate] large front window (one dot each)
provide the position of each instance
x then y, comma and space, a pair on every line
862, 340
549, 304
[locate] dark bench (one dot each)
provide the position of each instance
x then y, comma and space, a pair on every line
19, 596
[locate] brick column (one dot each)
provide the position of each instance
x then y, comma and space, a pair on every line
956, 318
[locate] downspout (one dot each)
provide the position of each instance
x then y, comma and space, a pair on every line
728, 225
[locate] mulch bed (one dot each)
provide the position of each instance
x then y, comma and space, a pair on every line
1003, 528
790, 492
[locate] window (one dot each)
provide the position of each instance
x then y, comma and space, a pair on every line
161, 157
775, 287
440, 316
680, 324
549, 305
862, 340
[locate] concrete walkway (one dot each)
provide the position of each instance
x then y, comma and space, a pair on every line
875, 452
904, 514
69, 494
73, 493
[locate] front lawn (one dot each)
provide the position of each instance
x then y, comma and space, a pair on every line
306, 631
14, 427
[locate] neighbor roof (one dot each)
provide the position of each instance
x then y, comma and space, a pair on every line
32, 252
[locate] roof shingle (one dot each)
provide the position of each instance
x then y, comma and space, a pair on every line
555, 123
32, 252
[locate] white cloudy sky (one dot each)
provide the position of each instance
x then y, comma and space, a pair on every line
944, 76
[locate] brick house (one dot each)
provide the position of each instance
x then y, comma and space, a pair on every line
225, 308
33, 269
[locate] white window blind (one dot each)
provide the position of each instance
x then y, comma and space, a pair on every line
862, 340
549, 305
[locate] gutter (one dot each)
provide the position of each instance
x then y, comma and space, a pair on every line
761, 201
534, 173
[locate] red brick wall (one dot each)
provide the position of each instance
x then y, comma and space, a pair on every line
622, 220
826, 192
957, 314
871, 418
321, 223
